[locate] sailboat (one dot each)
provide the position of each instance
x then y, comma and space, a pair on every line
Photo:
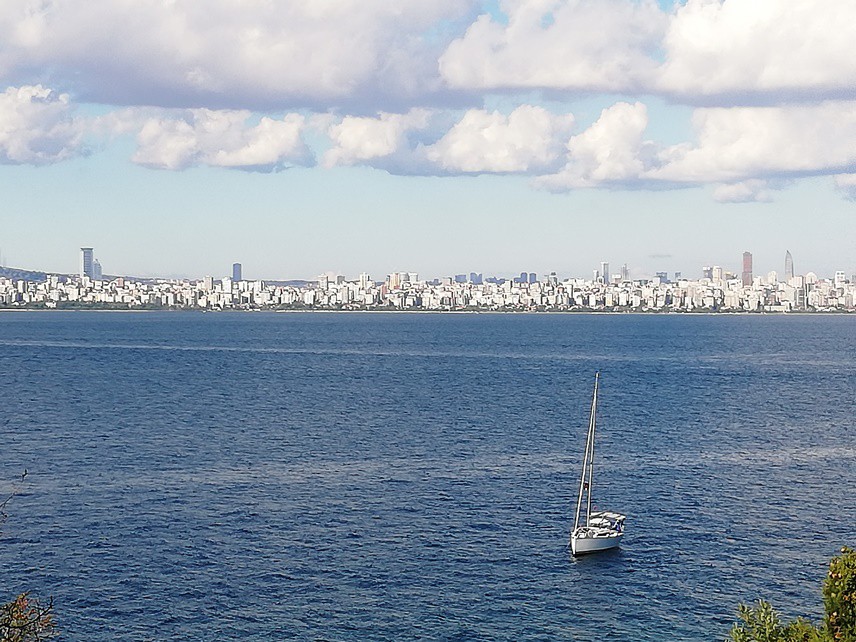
600, 530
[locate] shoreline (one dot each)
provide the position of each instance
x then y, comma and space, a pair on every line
418, 311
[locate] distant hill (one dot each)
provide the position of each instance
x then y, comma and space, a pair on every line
22, 275
18, 274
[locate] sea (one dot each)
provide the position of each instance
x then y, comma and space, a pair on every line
396, 476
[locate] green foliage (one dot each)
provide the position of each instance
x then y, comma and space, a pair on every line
761, 623
839, 597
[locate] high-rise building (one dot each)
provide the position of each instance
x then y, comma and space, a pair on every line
625, 273
97, 274
237, 272
604, 271
365, 279
716, 274
86, 257
707, 272
789, 266
747, 268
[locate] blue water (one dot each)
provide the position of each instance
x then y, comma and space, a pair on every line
411, 477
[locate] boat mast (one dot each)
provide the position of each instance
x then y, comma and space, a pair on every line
589, 452
592, 424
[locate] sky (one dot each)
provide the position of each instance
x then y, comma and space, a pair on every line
302, 137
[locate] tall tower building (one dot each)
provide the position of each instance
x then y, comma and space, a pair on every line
97, 274
236, 272
604, 271
747, 268
789, 266
86, 257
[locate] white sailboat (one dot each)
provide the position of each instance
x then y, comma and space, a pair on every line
600, 530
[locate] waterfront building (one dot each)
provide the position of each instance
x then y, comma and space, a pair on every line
747, 268
237, 272
86, 256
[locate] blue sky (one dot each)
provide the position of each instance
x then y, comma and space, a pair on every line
437, 136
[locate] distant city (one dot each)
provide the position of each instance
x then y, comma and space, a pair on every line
716, 290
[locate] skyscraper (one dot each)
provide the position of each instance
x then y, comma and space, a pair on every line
236, 272
86, 262
789, 266
747, 268
97, 274
604, 271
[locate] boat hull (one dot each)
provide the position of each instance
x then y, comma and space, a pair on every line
582, 544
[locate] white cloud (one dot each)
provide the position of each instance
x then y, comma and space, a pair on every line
221, 139
359, 139
37, 126
741, 143
611, 151
751, 191
529, 138
558, 44
227, 53
773, 48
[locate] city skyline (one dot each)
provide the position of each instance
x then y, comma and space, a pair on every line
717, 291
441, 137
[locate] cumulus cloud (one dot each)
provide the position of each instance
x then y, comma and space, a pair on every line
529, 138
222, 139
558, 44
738, 144
750, 191
734, 50
228, 53
611, 151
37, 126
360, 139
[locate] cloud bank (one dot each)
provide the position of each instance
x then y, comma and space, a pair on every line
243, 84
